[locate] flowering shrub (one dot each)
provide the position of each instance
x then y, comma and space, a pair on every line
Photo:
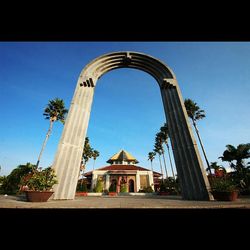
222, 184
39, 180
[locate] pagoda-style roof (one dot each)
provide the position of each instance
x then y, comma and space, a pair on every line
122, 156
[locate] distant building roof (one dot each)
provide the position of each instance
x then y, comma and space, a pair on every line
123, 168
122, 156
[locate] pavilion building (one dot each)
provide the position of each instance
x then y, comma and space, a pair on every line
122, 170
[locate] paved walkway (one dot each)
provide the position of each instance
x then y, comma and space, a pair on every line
123, 202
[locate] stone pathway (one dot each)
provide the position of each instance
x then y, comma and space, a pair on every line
123, 202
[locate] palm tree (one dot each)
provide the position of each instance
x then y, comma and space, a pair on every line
165, 135
195, 113
242, 173
157, 149
151, 156
95, 154
217, 168
159, 141
238, 154
54, 111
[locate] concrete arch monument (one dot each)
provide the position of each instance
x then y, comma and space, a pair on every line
193, 179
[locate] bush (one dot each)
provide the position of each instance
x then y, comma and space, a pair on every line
99, 187
124, 188
163, 187
81, 187
146, 190
170, 185
222, 184
112, 188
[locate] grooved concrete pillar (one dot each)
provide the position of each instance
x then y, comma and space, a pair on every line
137, 182
194, 182
192, 175
68, 158
107, 183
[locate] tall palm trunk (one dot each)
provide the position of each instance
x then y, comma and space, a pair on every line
203, 150
80, 169
161, 166
172, 169
94, 165
164, 161
45, 142
79, 174
151, 165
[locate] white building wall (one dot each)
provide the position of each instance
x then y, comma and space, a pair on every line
150, 177
96, 173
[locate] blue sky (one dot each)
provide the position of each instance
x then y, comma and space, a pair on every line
127, 110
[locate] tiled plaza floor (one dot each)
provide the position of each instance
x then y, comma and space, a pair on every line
103, 202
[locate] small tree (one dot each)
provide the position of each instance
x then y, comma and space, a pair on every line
124, 188
112, 187
87, 153
99, 186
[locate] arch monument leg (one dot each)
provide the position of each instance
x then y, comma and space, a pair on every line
193, 180
69, 153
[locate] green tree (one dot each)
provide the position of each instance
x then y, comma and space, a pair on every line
54, 111
195, 113
86, 153
11, 183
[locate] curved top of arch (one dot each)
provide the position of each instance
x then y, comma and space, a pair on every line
128, 59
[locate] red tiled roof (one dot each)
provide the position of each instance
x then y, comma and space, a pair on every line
123, 167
